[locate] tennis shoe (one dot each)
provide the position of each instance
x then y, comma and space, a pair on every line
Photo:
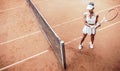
91, 45
80, 46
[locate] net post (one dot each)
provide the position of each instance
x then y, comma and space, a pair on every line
63, 54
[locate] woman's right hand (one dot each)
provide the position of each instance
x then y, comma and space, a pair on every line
98, 25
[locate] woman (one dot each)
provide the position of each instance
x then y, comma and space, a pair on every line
90, 20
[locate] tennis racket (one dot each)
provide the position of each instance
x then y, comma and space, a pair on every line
109, 15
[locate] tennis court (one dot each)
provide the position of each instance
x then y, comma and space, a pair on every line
23, 46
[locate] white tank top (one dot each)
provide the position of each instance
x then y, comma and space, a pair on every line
91, 20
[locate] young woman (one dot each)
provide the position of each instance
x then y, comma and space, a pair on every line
90, 20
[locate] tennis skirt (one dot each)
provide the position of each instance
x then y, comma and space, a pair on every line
89, 30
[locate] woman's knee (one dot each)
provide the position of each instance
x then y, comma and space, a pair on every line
93, 35
84, 35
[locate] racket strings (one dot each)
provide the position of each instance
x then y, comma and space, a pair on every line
111, 14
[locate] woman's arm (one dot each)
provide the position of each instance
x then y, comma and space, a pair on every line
85, 22
96, 22
96, 19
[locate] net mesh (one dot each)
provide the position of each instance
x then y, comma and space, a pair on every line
56, 43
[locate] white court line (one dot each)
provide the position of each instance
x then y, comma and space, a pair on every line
43, 51
108, 26
47, 50
13, 8
78, 38
72, 20
26, 59
21, 37
23, 5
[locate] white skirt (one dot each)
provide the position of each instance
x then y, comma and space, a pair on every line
89, 30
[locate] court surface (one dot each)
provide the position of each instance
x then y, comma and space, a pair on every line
23, 46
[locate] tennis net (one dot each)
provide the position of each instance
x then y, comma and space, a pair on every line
55, 42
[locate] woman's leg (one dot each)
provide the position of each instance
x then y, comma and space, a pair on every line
92, 40
83, 38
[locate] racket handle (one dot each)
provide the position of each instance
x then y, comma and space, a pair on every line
103, 20
97, 25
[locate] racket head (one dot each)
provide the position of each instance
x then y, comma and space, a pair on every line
111, 14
